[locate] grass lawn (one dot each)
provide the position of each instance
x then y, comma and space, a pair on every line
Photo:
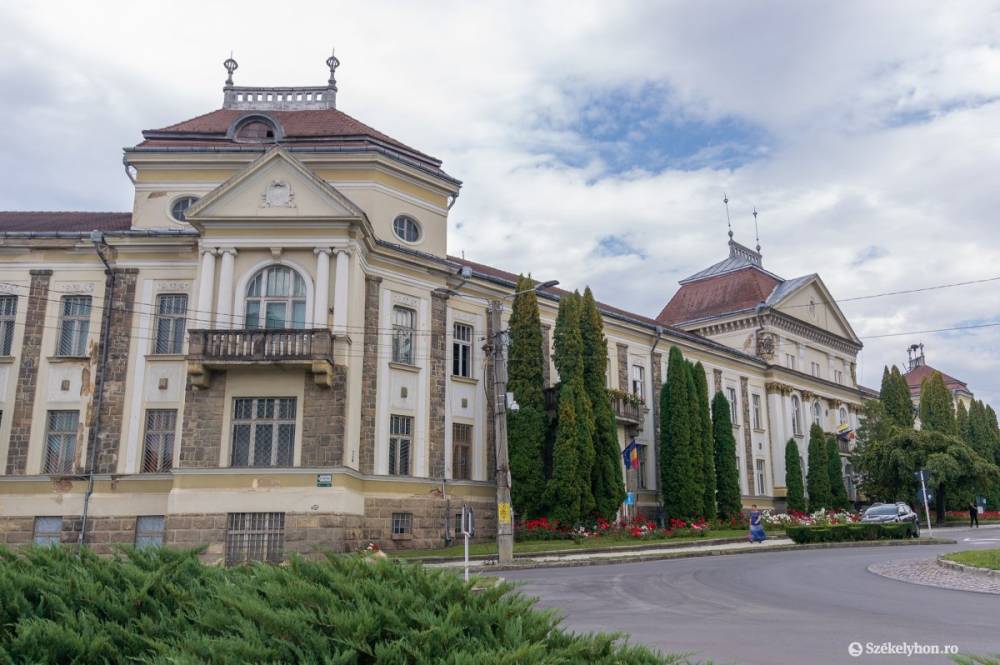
533, 546
977, 558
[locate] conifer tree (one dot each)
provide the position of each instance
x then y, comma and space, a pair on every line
962, 421
606, 475
696, 450
578, 429
707, 442
895, 396
682, 498
727, 478
526, 427
937, 413
794, 492
838, 490
818, 476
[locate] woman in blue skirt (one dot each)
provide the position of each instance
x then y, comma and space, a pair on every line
757, 534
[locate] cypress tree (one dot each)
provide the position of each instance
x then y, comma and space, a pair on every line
696, 450
727, 478
794, 492
682, 497
818, 476
607, 482
962, 421
895, 396
838, 491
526, 427
707, 442
562, 493
578, 430
937, 413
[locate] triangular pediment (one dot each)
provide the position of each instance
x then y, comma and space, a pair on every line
274, 186
807, 298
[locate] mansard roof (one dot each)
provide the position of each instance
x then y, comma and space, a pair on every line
915, 377
63, 221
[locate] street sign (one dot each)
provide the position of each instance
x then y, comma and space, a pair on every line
630, 499
324, 480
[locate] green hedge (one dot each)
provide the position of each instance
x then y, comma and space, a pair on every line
839, 533
164, 606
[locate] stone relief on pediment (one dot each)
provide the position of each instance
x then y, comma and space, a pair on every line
278, 194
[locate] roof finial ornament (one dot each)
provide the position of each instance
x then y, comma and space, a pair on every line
729, 223
333, 63
755, 232
231, 66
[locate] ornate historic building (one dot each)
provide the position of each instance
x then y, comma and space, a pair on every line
267, 354
918, 371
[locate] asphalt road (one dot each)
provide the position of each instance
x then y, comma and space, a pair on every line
770, 608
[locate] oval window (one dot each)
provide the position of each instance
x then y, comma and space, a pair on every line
179, 208
406, 228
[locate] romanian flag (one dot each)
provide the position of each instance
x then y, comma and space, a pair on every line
630, 456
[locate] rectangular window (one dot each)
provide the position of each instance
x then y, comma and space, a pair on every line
639, 381
400, 442
403, 329
757, 420
402, 524
48, 530
8, 312
641, 471
790, 361
461, 351
171, 310
815, 369
761, 490
263, 431
731, 396
255, 537
158, 442
74, 325
60, 441
461, 457
838, 376
149, 531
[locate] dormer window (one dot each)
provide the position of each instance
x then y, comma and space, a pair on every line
406, 228
256, 130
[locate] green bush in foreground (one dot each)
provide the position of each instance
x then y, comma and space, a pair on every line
838, 533
164, 606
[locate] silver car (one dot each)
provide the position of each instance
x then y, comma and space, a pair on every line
886, 513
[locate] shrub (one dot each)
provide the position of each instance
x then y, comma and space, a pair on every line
165, 606
838, 533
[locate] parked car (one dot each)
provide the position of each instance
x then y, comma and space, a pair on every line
899, 512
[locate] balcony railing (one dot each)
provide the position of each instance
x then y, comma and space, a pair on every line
260, 345
627, 410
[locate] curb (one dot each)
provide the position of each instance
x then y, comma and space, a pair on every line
962, 568
747, 550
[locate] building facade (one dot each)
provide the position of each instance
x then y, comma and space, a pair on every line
267, 356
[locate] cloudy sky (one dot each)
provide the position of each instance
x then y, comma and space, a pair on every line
594, 140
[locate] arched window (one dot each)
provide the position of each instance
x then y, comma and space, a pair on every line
276, 298
818, 413
255, 131
843, 415
796, 416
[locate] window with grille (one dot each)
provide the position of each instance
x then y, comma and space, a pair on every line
60, 441
461, 351
757, 420
255, 537
461, 458
403, 328
400, 443
731, 396
149, 530
263, 431
158, 441
276, 298
796, 416
171, 313
761, 490
74, 325
8, 312
47, 531
402, 524
639, 381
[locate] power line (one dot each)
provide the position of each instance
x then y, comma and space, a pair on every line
936, 330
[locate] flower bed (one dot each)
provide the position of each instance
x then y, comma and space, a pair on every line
818, 518
641, 528
836, 533
963, 516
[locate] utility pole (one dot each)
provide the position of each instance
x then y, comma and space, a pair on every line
498, 353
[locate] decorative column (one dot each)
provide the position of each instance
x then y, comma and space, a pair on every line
205, 286
341, 290
322, 301
224, 308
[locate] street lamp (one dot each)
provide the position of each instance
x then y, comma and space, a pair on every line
495, 347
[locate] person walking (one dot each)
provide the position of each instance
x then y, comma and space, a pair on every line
757, 534
973, 514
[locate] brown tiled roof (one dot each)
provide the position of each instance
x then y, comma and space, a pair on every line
64, 221
729, 292
298, 126
917, 375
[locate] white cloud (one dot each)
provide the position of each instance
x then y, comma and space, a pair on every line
881, 122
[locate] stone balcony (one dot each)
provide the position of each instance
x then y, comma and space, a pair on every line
627, 411
210, 350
